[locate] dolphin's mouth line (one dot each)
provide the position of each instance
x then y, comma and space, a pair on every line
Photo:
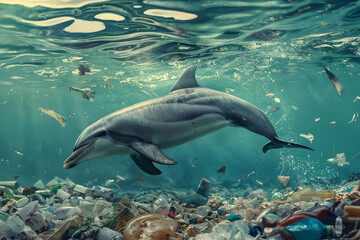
71, 160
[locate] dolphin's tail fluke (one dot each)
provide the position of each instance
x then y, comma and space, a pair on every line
278, 143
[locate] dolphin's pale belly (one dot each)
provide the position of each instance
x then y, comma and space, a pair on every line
103, 147
176, 133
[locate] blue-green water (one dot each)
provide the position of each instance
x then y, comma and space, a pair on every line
246, 48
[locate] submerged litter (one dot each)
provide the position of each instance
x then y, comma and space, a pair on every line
83, 69
221, 170
356, 98
340, 160
62, 209
309, 136
87, 93
335, 81
355, 116
55, 115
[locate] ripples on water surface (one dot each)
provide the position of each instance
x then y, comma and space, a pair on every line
247, 48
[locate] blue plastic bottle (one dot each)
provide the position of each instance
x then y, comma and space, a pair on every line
308, 229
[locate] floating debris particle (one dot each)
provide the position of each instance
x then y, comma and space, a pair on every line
55, 115
16, 176
269, 95
356, 98
106, 83
251, 173
109, 182
333, 122
354, 157
283, 180
355, 116
276, 109
221, 170
87, 93
83, 69
335, 81
294, 107
277, 100
317, 119
259, 182
309, 136
192, 164
71, 116
256, 67
229, 90
120, 177
18, 153
340, 160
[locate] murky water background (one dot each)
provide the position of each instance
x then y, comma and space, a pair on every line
270, 53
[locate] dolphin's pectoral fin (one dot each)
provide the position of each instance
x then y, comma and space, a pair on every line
187, 80
278, 143
145, 164
151, 152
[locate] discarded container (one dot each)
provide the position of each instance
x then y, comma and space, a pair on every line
203, 187
161, 206
151, 226
204, 210
233, 217
306, 195
108, 234
309, 229
352, 213
9, 184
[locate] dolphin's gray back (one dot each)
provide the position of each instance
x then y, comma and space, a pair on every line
179, 107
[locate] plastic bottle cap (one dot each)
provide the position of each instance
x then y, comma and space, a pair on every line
328, 230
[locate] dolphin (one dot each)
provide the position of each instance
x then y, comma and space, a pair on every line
189, 111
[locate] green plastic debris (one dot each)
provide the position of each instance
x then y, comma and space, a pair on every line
55, 188
9, 194
233, 217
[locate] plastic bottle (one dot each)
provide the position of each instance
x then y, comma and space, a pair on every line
322, 213
108, 234
338, 228
309, 228
352, 213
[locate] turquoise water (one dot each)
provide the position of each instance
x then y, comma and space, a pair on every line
270, 53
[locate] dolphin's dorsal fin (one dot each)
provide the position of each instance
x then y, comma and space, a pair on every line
187, 80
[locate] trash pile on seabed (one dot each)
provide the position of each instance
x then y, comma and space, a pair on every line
62, 209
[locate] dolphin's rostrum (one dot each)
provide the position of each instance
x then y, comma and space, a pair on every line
187, 112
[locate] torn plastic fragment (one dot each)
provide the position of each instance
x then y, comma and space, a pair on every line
340, 160
335, 81
355, 116
55, 115
309, 136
